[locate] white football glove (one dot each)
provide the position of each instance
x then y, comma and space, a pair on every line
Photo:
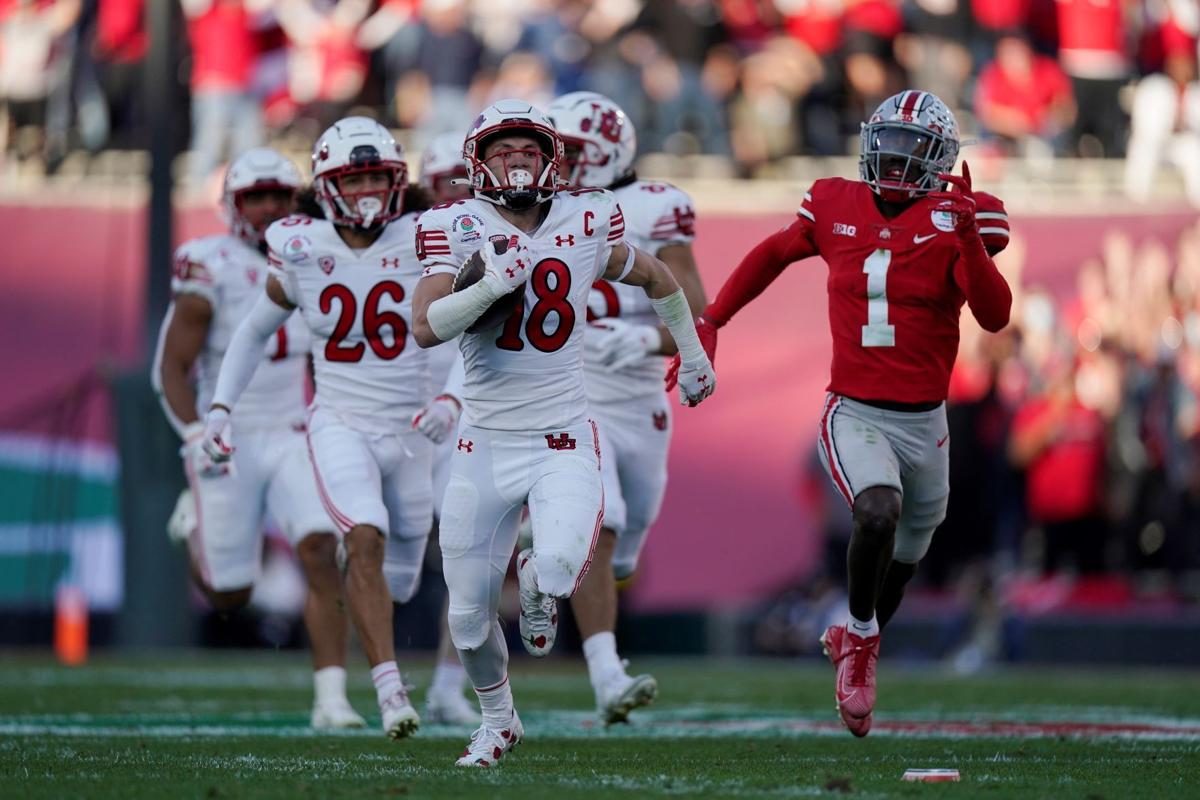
183, 519
617, 344
439, 419
198, 457
696, 381
214, 438
508, 270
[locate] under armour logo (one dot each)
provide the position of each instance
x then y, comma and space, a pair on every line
561, 442
567, 241
394, 263
703, 379
466, 445
660, 420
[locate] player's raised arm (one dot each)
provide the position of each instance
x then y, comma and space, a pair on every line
988, 294
627, 264
241, 360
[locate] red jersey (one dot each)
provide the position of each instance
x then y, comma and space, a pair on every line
895, 288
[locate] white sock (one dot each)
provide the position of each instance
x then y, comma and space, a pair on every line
386, 677
600, 650
863, 629
496, 703
449, 677
329, 684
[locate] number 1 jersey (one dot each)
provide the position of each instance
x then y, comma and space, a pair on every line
527, 374
894, 300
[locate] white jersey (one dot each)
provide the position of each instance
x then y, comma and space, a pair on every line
656, 215
527, 374
230, 275
358, 306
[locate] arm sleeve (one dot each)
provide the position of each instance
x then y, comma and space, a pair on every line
760, 267
988, 294
451, 315
676, 314
246, 348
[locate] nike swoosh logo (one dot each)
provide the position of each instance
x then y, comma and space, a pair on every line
923, 239
942, 440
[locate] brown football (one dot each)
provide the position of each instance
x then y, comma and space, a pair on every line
498, 312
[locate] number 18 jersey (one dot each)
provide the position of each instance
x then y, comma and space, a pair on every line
527, 373
894, 301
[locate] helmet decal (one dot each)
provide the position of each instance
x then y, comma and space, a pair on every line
601, 138
910, 139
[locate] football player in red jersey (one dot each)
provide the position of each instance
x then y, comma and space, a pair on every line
904, 254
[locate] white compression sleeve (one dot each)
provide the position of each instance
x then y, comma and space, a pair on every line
245, 351
451, 315
676, 314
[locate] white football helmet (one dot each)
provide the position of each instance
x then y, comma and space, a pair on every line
599, 138
517, 187
910, 139
442, 161
256, 170
355, 145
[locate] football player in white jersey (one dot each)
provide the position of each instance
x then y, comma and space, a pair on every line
623, 370
526, 435
443, 176
352, 276
216, 281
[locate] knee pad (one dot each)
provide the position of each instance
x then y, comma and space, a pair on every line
469, 627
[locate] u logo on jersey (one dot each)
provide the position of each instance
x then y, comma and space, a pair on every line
394, 263
326, 263
564, 241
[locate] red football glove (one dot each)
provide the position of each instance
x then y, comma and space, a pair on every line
960, 203
707, 332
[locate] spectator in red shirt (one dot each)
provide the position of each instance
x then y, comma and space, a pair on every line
1060, 444
1023, 98
120, 47
1094, 51
226, 117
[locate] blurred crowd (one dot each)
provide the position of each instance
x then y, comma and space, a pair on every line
753, 80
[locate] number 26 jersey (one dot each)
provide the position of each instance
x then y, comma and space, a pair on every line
358, 305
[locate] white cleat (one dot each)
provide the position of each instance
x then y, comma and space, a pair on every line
539, 612
337, 715
400, 719
450, 708
488, 745
622, 694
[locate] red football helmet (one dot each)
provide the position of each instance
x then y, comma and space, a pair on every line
910, 139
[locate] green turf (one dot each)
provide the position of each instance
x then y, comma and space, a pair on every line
233, 725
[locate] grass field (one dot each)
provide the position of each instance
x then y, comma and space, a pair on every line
216, 725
